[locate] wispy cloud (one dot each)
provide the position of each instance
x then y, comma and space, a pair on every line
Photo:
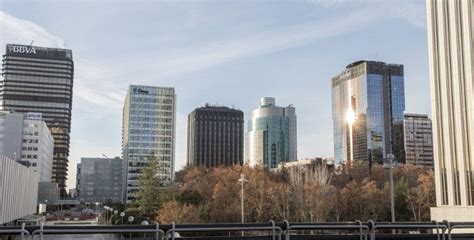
16, 30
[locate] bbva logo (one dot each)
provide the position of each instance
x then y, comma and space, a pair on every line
24, 49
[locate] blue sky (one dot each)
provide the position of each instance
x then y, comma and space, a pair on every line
225, 52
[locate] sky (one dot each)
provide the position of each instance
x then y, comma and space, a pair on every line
220, 52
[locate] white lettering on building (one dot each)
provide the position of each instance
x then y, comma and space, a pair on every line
24, 49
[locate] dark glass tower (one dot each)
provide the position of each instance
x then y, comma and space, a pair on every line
38, 79
368, 101
215, 136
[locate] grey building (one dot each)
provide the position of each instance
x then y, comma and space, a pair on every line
26, 138
99, 180
368, 102
48, 193
271, 137
418, 140
215, 136
38, 79
148, 130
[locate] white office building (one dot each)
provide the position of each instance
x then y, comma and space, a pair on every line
149, 123
26, 138
451, 54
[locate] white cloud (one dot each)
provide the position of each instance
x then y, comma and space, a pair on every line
20, 31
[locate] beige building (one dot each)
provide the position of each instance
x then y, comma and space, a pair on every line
451, 54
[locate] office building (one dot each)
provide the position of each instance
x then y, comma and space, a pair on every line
26, 138
19, 190
451, 55
149, 123
48, 193
100, 180
215, 136
418, 140
38, 79
368, 102
271, 137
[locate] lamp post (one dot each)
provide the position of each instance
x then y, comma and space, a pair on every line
122, 214
242, 180
389, 165
130, 221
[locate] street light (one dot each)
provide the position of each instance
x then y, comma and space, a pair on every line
122, 214
389, 165
130, 221
242, 180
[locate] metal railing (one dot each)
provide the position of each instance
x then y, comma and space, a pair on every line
274, 230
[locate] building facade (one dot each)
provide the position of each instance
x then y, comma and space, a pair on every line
100, 180
215, 136
149, 126
368, 102
19, 190
48, 193
26, 138
271, 137
451, 55
38, 79
418, 140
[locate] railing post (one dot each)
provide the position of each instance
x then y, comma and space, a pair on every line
360, 229
41, 231
157, 229
172, 230
273, 229
287, 231
372, 229
448, 225
437, 230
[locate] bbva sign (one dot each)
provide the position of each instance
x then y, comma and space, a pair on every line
24, 49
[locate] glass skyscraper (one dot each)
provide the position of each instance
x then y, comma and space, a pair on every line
149, 117
39, 79
271, 136
368, 102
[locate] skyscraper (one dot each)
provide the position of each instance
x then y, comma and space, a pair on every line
418, 140
368, 101
149, 123
271, 137
215, 136
451, 54
38, 79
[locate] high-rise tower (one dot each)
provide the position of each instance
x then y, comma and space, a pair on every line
451, 54
271, 137
215, 136
38, 79
149, 123
368, 101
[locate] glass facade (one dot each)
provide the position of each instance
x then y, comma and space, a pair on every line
271, 136
100, 180
368, 101
37, 79
148, 131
